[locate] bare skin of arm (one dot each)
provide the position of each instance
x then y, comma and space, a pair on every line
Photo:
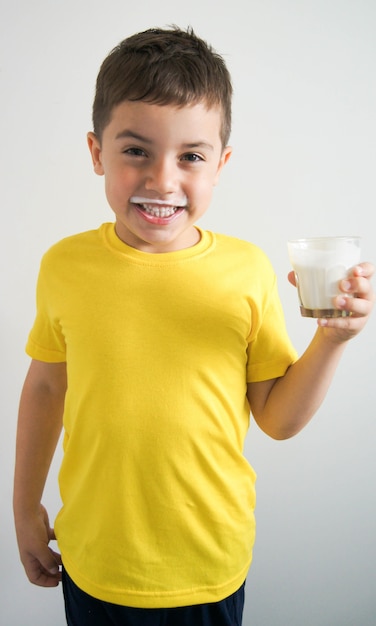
283, 406
39, 428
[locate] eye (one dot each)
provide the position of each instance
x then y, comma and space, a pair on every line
137, 152
192, 157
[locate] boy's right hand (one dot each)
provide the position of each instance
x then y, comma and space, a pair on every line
41, 563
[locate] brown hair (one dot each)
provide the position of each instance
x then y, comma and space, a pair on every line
163, 67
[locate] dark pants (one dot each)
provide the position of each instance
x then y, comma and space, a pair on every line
83, 610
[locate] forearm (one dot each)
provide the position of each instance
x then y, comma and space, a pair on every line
39, 428
295, 397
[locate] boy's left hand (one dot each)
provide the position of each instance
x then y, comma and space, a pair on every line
357, 299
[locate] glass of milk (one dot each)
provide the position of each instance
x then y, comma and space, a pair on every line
319, 264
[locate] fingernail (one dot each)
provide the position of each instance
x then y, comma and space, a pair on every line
341, 302
346, 285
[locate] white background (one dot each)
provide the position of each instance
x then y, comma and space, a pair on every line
304, 160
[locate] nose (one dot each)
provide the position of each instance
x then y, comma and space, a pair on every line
162, 176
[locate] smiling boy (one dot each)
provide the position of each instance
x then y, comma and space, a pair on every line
160, 165
152, 342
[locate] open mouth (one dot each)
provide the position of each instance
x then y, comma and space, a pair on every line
157, 208
158, 211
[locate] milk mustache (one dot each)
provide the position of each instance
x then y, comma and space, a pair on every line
319, 265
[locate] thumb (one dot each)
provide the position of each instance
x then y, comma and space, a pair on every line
292, 278
50, 561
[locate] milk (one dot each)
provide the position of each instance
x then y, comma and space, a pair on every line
319, 265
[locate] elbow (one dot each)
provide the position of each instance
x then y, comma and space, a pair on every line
278, 429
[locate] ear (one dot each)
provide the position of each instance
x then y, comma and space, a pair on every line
226, 153
96, 153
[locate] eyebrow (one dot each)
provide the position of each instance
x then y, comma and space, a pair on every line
130, 134
198, 144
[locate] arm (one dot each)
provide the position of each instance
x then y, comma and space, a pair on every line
283, 406
39, 428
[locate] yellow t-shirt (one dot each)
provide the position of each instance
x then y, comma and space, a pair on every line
158, 499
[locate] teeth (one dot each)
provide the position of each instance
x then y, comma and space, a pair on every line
158, 207
164, 211
154, 201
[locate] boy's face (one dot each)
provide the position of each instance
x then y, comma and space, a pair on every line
160, 165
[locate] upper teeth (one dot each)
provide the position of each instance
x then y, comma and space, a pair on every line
162, 211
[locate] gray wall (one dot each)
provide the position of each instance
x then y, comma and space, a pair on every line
304, 164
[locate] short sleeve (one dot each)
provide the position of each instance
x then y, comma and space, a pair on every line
270, 350
46, 341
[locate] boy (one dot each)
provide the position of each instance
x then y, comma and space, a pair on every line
153, 340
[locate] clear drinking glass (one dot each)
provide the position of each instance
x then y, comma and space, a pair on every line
319, 264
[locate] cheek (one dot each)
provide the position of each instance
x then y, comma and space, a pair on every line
205, 184
118, 181
202, 193
115, 192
